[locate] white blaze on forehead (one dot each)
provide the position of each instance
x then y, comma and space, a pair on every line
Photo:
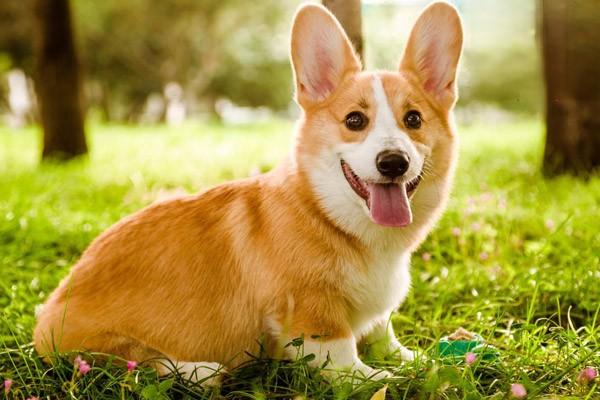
386, 134
385, 117
385, 126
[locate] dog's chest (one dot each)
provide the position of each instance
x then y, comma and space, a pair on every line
374, 292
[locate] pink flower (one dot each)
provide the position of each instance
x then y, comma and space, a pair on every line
7, 384
456, 231
84, 367
33, 398
476, 226
587, 375
426, 256
550, 224
131, 365
483, 256
77, 361
518, 391
470, 358
502, 204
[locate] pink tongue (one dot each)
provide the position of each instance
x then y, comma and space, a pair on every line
389, 205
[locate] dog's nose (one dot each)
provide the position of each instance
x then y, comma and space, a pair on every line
392, 163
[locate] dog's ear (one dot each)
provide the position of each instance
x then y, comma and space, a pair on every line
433, 51
321, 54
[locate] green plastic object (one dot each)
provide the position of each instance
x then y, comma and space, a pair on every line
455, 349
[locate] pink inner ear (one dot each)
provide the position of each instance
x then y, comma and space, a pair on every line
319, 78
435, 69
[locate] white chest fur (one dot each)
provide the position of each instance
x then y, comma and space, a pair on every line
373, 293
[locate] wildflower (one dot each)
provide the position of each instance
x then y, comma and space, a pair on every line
483, 256
587, 375
550, 224
518, 391
476, 226
131, 365
426, 256
7, 384
456, 231
81, 365
84, 368
470, 358
502, 204
486, 196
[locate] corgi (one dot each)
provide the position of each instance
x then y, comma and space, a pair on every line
317, 248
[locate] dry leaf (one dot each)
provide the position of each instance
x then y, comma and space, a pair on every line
380, 394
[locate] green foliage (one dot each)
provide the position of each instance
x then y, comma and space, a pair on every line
516, 258
239, 50
517, 88
212, 48
500, 67
501, 63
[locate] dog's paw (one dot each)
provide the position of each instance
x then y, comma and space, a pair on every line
357, 375
406, 354
379, 374
208, 374
410, 356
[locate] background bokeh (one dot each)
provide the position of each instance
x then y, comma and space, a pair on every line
181, 95
147, 61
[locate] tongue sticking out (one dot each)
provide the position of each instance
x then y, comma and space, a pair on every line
389, 205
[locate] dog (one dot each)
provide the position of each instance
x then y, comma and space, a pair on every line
318, 248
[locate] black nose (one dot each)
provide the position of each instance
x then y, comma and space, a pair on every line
392, 163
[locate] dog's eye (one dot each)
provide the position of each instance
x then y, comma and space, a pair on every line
356, 121
412, 119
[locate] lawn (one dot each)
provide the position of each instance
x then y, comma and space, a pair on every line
516, 258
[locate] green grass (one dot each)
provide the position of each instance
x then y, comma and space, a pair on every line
515, 258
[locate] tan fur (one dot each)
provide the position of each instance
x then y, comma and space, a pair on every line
202, 278
216, 264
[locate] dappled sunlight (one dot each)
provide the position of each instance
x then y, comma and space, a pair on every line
118, 117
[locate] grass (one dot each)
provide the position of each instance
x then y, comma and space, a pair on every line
515, 258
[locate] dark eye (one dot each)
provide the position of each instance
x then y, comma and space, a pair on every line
356, 121
412, 119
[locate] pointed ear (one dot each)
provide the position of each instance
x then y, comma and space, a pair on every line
433, 51
321, 54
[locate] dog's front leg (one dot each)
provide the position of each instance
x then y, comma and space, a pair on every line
382, 341
332, 344
342, 357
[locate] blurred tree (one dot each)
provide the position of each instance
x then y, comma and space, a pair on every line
211, 48
15, 42
570, 31
348, 12
132, 49
57, 80
15, 39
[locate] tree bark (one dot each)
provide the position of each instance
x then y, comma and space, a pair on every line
58, 81
570, 33
349, 14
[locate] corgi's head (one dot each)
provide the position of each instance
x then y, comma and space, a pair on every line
377, 147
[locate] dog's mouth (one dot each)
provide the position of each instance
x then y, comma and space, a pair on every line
388, 203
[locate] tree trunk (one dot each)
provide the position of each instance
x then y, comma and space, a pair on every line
349, 14
58, 81
570, 33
